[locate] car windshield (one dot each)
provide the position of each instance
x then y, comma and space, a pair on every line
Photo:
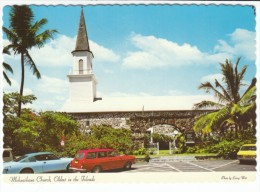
248, 148
79, 155
20, 158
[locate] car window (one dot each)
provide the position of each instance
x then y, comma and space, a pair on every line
52, 157
91, 155
248, 148
41, 157
102, 154
6, 154
111, 153
27, 160
20, 158
31, 159
46, 157
79, 155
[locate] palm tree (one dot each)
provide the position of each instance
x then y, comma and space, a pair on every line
24, 35
7, 67
231, 108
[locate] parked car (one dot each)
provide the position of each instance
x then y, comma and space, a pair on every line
41, 162
97, 160
8, 155
247, 153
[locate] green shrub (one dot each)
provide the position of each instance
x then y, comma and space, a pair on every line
141, 151
225, 149
147, 157
135, 152
191, 150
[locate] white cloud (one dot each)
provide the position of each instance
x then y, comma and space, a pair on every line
57, 52
108, 71
211, 78
53, 85
242, 44
15, 87
103, 54
175, 92
157, 52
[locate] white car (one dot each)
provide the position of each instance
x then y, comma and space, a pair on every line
8, 155
41, 162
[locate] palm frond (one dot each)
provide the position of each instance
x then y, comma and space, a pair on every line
42, 38
208, 86
228, 77
6, 50
248, 97
207, 105
11, 36
206, 123
253, 84
7, 79
21, 17
38, 25
7, 67
244, 110
29, 61
217, 84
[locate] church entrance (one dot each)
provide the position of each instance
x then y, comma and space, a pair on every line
162, 135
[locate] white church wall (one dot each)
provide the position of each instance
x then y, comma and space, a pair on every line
87, 62
81, 89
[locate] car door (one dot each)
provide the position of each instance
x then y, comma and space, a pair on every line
50, 163
103, 161
115, 160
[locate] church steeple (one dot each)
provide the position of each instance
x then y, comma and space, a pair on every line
82, 43
82, 79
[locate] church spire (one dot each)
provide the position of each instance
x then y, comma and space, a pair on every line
82, 37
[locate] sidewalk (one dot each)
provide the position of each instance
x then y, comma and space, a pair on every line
178, 158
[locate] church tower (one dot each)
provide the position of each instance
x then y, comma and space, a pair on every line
82, 81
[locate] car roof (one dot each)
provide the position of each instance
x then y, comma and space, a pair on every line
95, 150
38, 153
249, 145
8, 149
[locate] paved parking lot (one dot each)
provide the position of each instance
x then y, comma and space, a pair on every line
193, 166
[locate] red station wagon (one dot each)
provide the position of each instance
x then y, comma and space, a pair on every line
97, 160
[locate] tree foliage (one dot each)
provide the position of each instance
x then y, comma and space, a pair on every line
100, 137
33, 131
24, 34
233, 113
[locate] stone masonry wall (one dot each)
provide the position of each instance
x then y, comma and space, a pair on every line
139, 122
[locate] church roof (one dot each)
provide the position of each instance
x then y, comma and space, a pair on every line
82, 43
135, 104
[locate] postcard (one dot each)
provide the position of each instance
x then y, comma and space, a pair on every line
136, 95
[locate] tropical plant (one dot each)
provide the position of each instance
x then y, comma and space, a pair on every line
7, 67
24, 35
232, 112
34, 131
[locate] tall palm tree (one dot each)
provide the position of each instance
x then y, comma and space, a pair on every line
7, 67
231, 107
25, 34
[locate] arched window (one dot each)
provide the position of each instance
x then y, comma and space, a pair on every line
80, 66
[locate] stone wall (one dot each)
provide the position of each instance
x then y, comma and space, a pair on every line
139, 122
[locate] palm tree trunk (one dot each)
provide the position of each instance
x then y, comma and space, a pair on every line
21, 86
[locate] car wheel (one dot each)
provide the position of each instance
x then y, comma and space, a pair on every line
128, 165
68, 168
97, 169
26, 171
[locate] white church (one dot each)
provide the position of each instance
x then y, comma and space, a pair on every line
88, 109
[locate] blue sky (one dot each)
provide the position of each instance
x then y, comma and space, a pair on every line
139, 50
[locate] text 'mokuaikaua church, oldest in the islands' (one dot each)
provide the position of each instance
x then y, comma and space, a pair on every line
158, 114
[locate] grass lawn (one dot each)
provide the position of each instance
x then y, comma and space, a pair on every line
166, 153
